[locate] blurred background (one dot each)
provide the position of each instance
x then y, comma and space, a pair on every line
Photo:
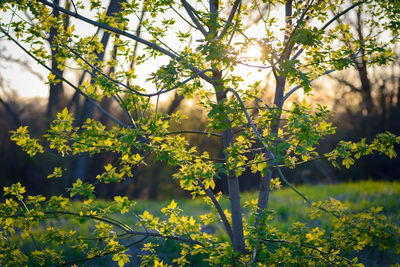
364, 101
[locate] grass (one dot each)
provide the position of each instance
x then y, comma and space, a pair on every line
289, 208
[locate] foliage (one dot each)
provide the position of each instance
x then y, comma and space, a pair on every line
208, 70
355, 195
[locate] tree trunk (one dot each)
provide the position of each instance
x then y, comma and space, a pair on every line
263, 196
87, 112
56, 90
233, 181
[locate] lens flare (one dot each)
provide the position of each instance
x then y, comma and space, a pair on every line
254, 52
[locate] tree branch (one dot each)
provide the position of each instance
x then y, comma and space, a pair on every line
122, 226
162, 91
271, 154
66, 81
221, 213
194, 132
71, 263
323, 74
323, 253
329, 23
230, 18
189, 11
123, 33
299, 86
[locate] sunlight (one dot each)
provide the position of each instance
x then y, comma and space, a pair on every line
254, 52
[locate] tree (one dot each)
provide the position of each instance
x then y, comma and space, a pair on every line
274, 136
373, 108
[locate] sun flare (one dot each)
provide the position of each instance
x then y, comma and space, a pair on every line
253, 52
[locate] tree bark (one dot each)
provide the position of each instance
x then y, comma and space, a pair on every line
263, 196
87, 112
56, 91
233, 181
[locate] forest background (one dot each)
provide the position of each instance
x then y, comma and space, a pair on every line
365, 101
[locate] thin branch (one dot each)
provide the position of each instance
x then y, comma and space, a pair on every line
271, 154
182, 17
70, 263
230, 18
329, 23
189, 11
177, 238
66, 81
287, 49
260, 100
122, 226
123, 33
323, 253
193, 132
111, 221
255, 66
73, 4
221, 213
162, 91
323, 74
109, 28
299, 86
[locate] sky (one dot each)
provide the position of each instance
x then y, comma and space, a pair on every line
29, 85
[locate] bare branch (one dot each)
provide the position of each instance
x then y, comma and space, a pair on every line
123, 33
221, 213
230, 18
65, 80
194, 132
323, 74
329, 23
162, 91
188, 9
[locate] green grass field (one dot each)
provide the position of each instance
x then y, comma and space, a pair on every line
289, 208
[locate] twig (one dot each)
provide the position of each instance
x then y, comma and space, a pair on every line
189, 11
162, 91
180, 15
221, 213
118, 224
70, 263
193, 132
329, 23
73, 4
230, 18
323, 74
66, 81
123, 33
271, 154
323, 253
